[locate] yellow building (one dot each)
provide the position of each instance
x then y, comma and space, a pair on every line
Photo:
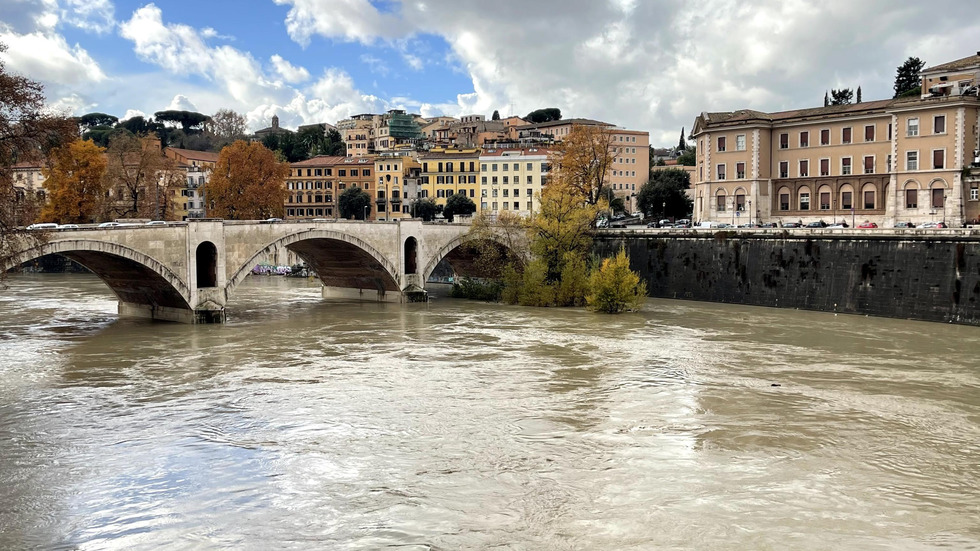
512, 179
314, 185
449, 171
397, 181
888, 161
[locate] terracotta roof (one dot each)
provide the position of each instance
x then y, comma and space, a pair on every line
746, 115
970, 62
207, 156
319, 160
586, 122
451, 155
515, 151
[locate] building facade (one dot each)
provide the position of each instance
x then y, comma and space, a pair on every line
397, 184
314, 185
888, 161
511, 180
196, 167
446, 172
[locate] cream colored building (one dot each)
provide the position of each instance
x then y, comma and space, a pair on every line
397, 175
888, 161
358, 134
512, 179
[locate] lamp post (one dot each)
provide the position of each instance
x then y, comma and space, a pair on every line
750, 212
663, 210
731, 202
944, 209
365, 213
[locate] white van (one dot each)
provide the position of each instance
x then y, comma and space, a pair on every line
43, 226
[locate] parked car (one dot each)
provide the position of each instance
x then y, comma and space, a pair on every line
270, 221
43, 226
817, 224
792, 225
769, 225
838, 225
106, 225
156, 223
68, 227
683, 223
904, 225
867, 225
934, 225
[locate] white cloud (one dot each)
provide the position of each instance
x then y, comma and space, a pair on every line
288, 71
90, 15
49, 58
180, 103
130, 113
353, 20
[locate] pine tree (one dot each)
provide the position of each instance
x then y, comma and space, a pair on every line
826, 99
682, 144
907, 76
495, 116
858, 95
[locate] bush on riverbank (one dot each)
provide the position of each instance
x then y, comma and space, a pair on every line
487, 290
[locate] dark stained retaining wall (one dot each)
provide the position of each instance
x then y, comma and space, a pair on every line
918, 274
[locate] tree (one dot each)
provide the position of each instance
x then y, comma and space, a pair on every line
544, 115
826, 99
583, 160
615, 202
75, 182
458, 204
614, 287
93, 120
907, 76
227, 126
495, 116
682, 144
354, 203
189, 121
426, 209
689, 157
247, 183
841, 97
28, 132
140, 178
858, 95
665, 194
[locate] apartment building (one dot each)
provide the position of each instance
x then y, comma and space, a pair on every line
29, 193
887, 161
314, 185
512, 179
447, 171
397, 184
358, 134
196, 166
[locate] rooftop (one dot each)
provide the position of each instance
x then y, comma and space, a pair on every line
969, 62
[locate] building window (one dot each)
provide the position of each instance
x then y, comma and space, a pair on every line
483, 180
784, 141
740, 203
721, 172
911, 160
974, 194
845, 200
869, 199
869, 164
869, 133
939, 158
783, 169
938, 198
939, 124
845, 135
783, 201
721, 143
804, 201
845, 166
888, 163
912, 127
825, 137
825, 200
720, 203
911, 199
825, 167
740, 142
805, 139
740, 170
804, 168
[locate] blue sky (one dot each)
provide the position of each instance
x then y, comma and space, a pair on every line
642, 64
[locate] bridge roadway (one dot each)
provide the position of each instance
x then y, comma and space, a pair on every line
187, 272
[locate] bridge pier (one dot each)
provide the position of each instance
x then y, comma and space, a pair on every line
163, 313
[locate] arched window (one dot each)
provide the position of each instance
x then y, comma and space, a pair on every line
804, 198
824, 195
784, 198
911, 194
720, 200
207, 265
869, 196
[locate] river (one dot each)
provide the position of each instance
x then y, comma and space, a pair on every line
306, 424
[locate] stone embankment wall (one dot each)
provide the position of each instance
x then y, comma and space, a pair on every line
915, 275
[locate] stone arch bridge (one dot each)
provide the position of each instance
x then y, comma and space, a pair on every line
188, 272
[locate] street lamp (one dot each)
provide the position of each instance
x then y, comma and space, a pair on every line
750, 212
944, 209
731, 203
663, 210
365, 213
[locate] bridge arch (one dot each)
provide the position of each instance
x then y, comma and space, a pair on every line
447, 252
339, 259
134, 277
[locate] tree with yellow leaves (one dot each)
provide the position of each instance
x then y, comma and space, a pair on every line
141, 178
75, 183
583, 160
247, 183
614, 287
